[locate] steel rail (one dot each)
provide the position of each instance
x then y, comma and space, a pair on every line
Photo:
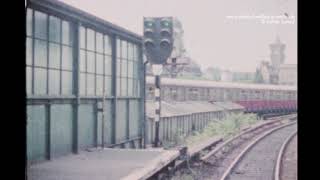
248, 147
278, 168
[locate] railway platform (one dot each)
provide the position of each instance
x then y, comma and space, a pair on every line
111, 164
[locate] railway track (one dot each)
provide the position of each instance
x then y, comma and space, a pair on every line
222, 161
282, 165
257, 160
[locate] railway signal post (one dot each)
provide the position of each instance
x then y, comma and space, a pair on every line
158, 45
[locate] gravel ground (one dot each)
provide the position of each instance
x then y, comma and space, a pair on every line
289, 164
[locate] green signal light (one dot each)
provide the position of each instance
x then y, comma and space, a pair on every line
166, 23
149, 24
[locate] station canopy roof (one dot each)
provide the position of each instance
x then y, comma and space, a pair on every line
229, 105
208, 84
170, 109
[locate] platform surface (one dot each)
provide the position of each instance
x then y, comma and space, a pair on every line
111, 164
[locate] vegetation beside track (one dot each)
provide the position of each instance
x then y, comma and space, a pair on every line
226, 127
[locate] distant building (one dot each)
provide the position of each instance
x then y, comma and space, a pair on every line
265, 69
192, 69
212, 73
277, 72
178, 49
243, 76
226, 76
277, 59
288, 74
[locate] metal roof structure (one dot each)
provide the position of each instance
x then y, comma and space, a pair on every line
229, 105
208, 84
170, 109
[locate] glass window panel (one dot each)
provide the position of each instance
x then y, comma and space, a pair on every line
82, 37
124, 49
66, 33
108, 65
90, 84
99, 85
40, 53
67, 58
54, 29
82, 83
90, 39
118, 68
118, 47
54, 82
29, 51
107, 45
136, 53
90, 62
40, 25
118, 87
29, 22
29, 80
135, 70
124, 69
67, 82
54, 55
107, 85
124, 87
134, 88
130, 52
40, 81
130, 69
82, 60
99, 64
130, 87
99, 42
138, 89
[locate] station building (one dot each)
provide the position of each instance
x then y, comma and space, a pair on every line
77, 67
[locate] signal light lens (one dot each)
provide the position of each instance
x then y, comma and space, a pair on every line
149, 22
149, 43
148, 32
165, 43
165, 32
165, 22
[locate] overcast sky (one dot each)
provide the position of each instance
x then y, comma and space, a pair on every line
211, 39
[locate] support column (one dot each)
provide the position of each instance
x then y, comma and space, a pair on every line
158, 108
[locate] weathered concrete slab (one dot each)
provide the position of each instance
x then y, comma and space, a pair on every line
111, 164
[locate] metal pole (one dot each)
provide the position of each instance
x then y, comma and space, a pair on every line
102, 132
158, 110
